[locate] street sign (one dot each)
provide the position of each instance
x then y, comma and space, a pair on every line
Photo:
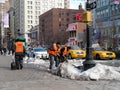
93, 5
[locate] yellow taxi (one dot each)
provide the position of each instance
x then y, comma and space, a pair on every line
75, 52
101, 53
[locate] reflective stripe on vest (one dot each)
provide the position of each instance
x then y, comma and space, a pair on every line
19, 47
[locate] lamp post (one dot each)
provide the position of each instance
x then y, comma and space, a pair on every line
88, 63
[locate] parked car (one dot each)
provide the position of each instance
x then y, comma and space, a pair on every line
101, 53
39, 52
75, 52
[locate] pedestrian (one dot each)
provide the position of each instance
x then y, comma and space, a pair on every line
1, 50
53, 55
4, 50
19, 53
9, 50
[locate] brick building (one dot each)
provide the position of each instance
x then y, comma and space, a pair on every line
77, 34
53, 25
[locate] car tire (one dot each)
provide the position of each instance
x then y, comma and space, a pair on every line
97, 57
37, 57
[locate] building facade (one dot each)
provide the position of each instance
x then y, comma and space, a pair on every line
108, 22
28, 11
11, 17
77, 34
53, 25
115, 22
4, 7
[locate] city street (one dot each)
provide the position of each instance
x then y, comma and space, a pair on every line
70, 33
31, 78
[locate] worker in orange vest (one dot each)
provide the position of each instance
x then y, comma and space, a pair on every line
63, 53
53, 54
19, 54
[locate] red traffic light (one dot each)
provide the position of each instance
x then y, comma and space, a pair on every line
78, 17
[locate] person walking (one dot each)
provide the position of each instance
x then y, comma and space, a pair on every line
4, 50
1, 50
19, 54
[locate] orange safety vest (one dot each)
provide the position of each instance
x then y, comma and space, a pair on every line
54, 51
65, 51
19, 47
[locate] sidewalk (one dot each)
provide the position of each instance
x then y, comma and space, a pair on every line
36, 79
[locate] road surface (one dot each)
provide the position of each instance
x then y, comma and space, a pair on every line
33, 79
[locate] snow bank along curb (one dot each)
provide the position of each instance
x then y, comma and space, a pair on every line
69, 70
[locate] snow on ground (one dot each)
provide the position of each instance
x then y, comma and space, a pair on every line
70, 70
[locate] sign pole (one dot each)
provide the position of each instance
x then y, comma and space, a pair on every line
88, 63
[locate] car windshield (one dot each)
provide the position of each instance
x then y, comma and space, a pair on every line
74, 47
99, 49
39, 49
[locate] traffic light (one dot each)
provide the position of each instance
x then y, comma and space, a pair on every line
78, 17
87, 17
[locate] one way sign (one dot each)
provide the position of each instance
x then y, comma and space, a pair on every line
93, 5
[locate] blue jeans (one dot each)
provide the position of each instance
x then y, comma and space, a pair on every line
52, 60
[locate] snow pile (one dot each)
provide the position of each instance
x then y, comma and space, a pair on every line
96, 73
102, 72
74, 70
67, 70
28, 60
37, 63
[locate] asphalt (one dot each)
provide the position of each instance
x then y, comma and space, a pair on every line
31, 78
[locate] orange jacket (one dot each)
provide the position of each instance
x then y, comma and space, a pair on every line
54, 51
19, 47
65, 51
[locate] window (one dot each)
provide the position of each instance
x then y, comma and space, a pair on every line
28, 16
28, 12
28, 26
67, 14
59, 24
31, 2
67, 19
